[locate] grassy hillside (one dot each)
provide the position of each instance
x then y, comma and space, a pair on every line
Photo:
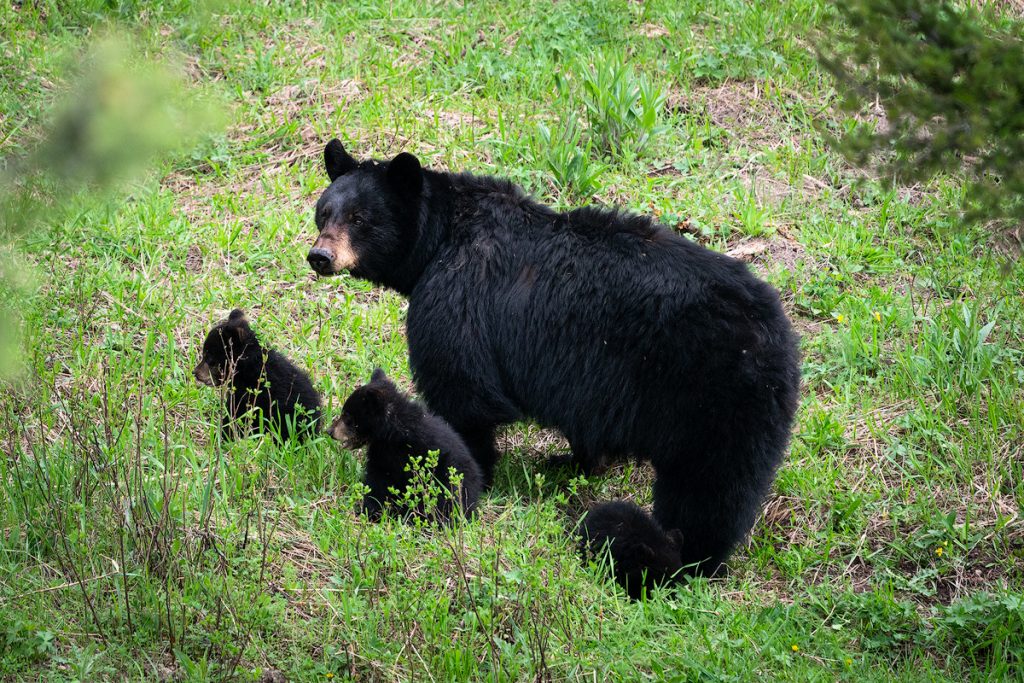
134, 544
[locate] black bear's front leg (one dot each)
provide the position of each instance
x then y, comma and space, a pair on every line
577, 457
480, 440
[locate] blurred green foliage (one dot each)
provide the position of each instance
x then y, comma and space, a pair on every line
120, 113
950, 81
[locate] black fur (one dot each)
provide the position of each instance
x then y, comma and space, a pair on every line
630, 339
265, 387
645, 555
397, 429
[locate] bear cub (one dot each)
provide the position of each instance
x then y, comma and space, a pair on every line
397, 429
266, 389
646, 555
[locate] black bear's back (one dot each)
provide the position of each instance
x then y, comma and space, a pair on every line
289, 395
603, 324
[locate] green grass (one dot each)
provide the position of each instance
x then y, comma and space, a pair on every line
136, 545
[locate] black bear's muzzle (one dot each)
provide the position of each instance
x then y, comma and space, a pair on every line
339, 431
204, 374
320, 261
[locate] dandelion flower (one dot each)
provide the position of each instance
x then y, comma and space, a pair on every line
878, 317
796, 648
938, 551
329, 675
841, 318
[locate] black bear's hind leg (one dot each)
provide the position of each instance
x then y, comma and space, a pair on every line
712, 517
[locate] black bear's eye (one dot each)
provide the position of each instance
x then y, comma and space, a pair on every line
356, 220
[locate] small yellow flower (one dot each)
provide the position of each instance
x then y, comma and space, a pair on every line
878, 317
849, 661
945, 543
329, 675
841, 318
938, 551
796, 648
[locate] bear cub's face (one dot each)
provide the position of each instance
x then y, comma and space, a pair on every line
224, 347
367, 216
366, 411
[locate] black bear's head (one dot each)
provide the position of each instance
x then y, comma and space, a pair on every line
369, 413
367, 217
229, 344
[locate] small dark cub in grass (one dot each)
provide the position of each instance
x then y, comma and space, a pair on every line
266, 388
645, 554
396, 430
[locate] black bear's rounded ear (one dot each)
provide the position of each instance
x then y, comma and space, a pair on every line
378, 376
337, 161
241, 324
405, 174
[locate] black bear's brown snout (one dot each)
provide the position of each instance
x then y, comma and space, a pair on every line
339, 431
320, 261
204, 375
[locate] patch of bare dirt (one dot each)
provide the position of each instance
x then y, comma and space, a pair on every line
740, 107
1011, 7
778, 252
194, 259
455, 119
325, 96
651, 30
536, 441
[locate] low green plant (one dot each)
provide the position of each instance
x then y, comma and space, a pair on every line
752, 214
623, 109
979, 625
424, 495
568, 157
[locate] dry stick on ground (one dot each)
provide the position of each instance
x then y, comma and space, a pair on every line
82, 438
69, 564
464, 575
163, 529
121, 524
261, 528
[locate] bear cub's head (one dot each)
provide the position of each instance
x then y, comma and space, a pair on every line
229, 343
368, 413
367, 217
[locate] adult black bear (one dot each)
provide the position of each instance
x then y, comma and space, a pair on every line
630, 339
396, 430
265, 387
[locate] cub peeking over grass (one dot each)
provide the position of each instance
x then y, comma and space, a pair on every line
398, 432
267, 391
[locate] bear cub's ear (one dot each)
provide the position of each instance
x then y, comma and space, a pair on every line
240, 324
337, 161
378, 376
405, 174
